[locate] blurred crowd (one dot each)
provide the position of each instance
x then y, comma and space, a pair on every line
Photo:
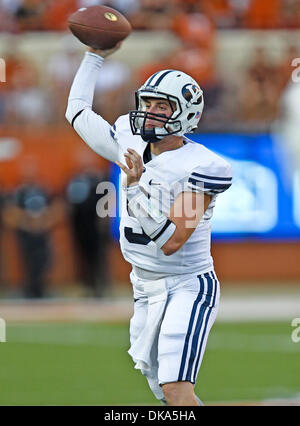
35, 96
30, 98
51, 15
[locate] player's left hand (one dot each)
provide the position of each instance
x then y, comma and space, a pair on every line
135, 167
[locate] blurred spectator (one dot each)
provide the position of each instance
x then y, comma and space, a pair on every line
220, 12
32, 213
30, 15
10, 5
56, 14
290, 12
127, 7
113, 93
14, 63
60, 69
192, 25
29, 106
26, 101
260, 68
285, 67
153, 15
264, 14
91, 234
259, 94
240, 8
7, 15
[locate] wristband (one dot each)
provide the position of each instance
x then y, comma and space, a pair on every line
131, 191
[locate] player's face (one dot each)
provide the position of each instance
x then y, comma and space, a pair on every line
157, 106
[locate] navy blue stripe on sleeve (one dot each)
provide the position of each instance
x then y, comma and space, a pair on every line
197, 175
216, 186
208, 185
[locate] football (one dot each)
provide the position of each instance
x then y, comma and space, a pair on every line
99, 27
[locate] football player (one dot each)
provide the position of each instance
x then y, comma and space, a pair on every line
170, 186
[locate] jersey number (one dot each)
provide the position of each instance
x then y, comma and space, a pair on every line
136, 238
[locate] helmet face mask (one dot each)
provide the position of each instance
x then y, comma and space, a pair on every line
138, 118
184, 97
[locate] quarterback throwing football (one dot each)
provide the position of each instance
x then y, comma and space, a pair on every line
170, 186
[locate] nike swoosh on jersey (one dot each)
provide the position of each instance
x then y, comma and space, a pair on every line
153, 183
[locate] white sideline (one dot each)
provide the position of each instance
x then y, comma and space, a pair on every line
248, 308
259, 308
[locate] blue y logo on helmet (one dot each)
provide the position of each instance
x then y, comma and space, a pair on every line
190, 92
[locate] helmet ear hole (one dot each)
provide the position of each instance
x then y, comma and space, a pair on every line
198, 101
190, 116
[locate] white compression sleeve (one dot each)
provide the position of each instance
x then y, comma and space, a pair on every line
91, 127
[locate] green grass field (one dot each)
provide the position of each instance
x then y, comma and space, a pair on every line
88, 364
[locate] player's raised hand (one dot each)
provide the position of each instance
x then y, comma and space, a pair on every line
107, 52
134, 167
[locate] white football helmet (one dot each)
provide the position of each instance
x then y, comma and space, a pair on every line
175, 86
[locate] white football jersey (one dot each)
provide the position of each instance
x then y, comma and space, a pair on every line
191, 167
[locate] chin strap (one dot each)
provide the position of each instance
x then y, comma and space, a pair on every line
150, 136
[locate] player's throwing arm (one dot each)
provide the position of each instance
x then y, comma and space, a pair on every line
102, 29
